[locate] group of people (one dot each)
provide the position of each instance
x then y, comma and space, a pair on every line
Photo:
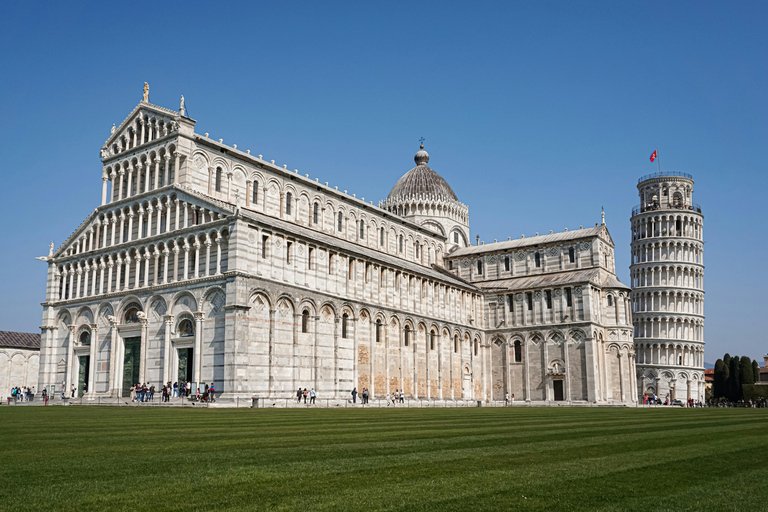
653, 399
757, 403
303, 393
143, 393
23, 394
146, 392
363, 396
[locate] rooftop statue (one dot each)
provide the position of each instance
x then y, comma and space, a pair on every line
146, 92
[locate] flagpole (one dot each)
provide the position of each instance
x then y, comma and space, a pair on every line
658, 162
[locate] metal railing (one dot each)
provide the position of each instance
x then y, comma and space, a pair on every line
663, 174
655, 206
285, 403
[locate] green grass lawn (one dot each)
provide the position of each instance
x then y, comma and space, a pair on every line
98, 458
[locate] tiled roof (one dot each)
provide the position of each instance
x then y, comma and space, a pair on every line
591, 275
20, 339
525, 242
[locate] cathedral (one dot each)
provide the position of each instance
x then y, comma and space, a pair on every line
205, 263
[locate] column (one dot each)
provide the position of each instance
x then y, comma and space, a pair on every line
104, 180
146, 267
127, 272
140, 234
198, 368
110, 264
104, 230
150, 210
622, 377
175, 274
186, 214
79, 280
176, 202
70, 362
167, 377
102, 267
159, 209
196, 245
166, 252
130, 180
186, 260
120, 173
176, 167
156, 255
218, 253
166, 168
167, 214
118, 287
156, 176
527, 372
92, 360
143, 355
206, 270
567, 361
130, 226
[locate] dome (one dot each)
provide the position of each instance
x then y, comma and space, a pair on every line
421, 181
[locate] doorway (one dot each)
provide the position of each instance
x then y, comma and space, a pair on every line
186, 361
131, 363
557, 387
83, 374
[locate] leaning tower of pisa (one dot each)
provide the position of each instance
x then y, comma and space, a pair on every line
667, 274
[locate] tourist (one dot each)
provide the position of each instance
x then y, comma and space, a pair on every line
506, 400
85, 387
513, 398
32, 394
394, 398
198, 393
133, 393
212, 393
152, 393
299, 394
402, 396
63, 395
206, 394
354, 395
312, 396
73, 391
365, 395
305, 393
45, 396
175, 389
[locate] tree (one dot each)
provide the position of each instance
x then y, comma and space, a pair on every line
746, 373
720, 379
756, 371
734, 380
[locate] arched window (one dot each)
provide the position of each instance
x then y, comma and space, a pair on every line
344, 319
186, 328
456, 344
341, 220
362, 229
218, 179
381, 236
476, 344
571, 255
432, 340
305, 321
537, 259
456, 237
400, 248
314, 213
407, 335
288, 198
479, 268
518, 351
85, 338
610, 300
378, 330
255, 192
131, 316
506, 263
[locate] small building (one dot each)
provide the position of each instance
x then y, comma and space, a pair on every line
19, 360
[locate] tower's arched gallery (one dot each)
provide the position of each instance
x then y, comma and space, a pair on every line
206, 263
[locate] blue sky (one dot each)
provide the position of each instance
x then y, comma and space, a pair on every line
538, 114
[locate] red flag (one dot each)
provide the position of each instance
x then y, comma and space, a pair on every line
653, 156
